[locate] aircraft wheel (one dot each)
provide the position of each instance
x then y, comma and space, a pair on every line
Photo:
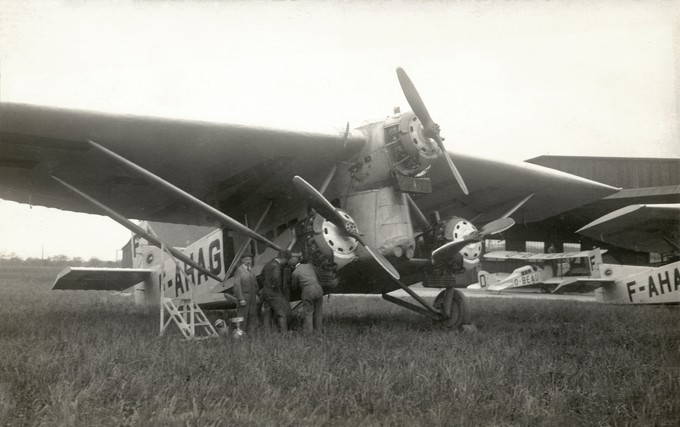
454, 307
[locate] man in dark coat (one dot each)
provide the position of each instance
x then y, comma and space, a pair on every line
305, 277
273, 292
245, 290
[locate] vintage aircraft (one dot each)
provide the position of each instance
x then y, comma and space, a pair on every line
387, 208
582, 272
643, 228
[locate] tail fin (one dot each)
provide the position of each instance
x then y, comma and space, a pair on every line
144, 255
595, 260
484, 280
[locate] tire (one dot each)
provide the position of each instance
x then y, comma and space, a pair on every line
454, 307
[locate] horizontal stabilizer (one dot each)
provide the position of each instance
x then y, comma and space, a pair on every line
581, 286
100, 279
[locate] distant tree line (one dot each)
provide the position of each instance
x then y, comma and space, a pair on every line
56, 261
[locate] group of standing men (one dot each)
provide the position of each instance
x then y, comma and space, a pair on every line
272, 299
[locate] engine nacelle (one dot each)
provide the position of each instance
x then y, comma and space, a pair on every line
455, 229
412, 152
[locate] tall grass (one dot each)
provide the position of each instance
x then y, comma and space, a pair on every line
91, 358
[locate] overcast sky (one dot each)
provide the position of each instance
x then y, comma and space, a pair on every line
509, 79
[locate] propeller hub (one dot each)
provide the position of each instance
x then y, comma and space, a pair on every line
351, 228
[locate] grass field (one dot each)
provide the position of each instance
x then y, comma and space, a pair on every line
79, 358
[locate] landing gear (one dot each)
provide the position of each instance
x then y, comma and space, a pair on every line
453, 308
450, 306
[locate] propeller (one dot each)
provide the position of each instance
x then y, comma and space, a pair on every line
431, 128
449, 249
340, 220
494, 227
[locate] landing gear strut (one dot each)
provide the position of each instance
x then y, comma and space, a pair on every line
450, 306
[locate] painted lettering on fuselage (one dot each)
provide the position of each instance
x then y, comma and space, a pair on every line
655, 286
207, 253
527, 278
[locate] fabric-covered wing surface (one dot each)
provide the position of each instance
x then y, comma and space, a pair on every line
498, 186
212, 161
644, 228
532, 256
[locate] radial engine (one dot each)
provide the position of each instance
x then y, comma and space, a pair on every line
412, 153
326, 247
453, 230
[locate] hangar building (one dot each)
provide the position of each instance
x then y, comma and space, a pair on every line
642, 181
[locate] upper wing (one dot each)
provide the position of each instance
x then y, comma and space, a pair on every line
532, 256
224, 164
645, 228
218, 163
498, 186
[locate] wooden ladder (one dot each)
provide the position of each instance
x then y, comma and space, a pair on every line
186, 314
188, 317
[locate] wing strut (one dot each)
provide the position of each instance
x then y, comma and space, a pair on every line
418, 215
245, 244
517, 206
138, 230
328, 179
223, 218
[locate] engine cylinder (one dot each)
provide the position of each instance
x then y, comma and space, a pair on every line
412, 153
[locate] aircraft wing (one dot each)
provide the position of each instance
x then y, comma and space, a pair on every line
533, 256
498, 186
219, 163
99, 279
644, 228
581, 286
224, 164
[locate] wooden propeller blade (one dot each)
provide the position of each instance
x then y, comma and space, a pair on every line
497, 226
383, 262
413, 98
319, 202
449, 249
452, 167
431, 128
